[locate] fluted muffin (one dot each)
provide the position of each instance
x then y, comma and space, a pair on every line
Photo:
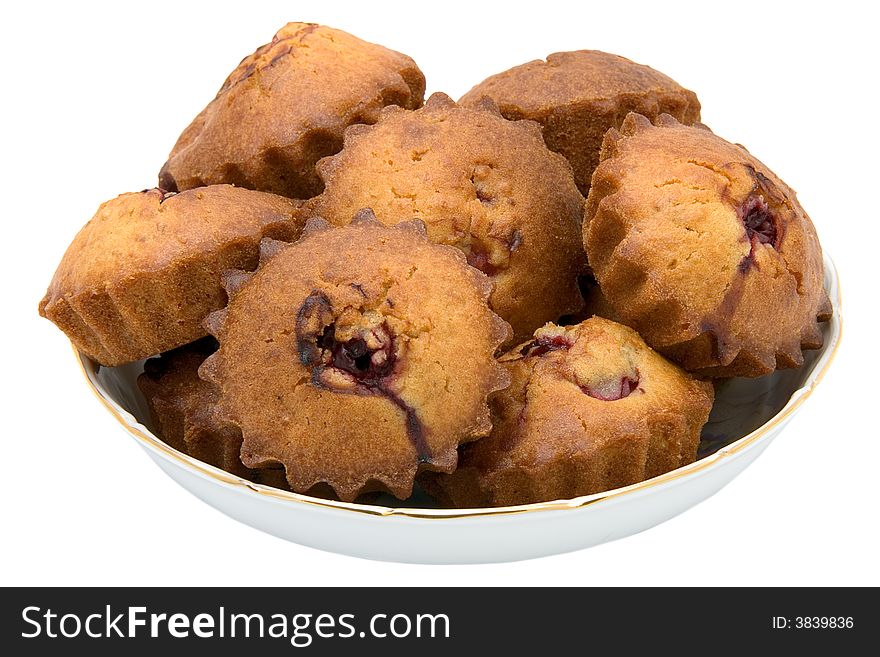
589, 408
143, 273
181, 405
357, 357
285, 106
577, 96
703, 250
487, 186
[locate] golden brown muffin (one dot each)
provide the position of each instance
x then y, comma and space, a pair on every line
143, 273
357, 357
285, 106
181, 405
703, 250
485, 185
577, 96
589, 408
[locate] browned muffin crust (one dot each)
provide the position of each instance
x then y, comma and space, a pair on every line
702, 249
483, 184
285, 106
143, 273
356, 357
589, 408
181, 405
577, 96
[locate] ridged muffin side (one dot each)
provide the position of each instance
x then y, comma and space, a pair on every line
577, 96
285, 106
590, 408
704, 250
143, 273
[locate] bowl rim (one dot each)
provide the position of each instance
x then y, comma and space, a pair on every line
145, 437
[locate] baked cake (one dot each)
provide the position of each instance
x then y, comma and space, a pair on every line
356, 357
590, 408
577, 96
483, 184
285, 106
143, 273
703, 250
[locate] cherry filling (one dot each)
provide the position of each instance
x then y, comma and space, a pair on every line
479, 255
164, 193
761, 227
759, 220
545, 343
355, 357
613, 392
478, 258
362, 364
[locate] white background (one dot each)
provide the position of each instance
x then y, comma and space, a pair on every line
93, 99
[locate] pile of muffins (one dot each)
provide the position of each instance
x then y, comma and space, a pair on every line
522, 296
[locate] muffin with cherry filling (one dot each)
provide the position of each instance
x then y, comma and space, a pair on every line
487, 186
589, 408
703, 250
285, 106
577, 96
181, 405
357, 357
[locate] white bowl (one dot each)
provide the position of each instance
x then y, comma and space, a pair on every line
747, 415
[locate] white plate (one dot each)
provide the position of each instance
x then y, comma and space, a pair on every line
747, 415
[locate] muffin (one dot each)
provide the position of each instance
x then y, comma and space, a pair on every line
285, 106
143, 273
480, 183
181, 407
577, 96
703, 250
356, 357
589, 408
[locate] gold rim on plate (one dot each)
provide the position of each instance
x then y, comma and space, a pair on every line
143, 435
